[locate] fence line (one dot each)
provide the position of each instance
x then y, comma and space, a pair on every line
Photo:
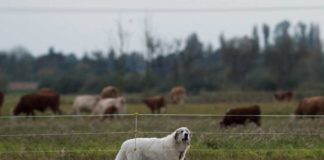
63, 116
190, 150
155, 10
61, 134
59, 151
136, 132
160, 115
135, 129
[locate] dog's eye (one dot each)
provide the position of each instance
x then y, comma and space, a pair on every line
181, 131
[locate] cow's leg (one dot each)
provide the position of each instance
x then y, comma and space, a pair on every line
103, 118
156, 111
31, 114
256, 120
76, 112
59, 111
111, 117
176, 100
181, 100
258, 123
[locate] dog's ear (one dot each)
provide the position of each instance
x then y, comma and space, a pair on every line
176, 135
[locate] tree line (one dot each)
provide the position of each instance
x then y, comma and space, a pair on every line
284, 57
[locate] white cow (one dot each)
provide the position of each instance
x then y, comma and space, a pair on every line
85, 103
110, 106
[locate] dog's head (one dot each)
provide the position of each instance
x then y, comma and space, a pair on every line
182, 135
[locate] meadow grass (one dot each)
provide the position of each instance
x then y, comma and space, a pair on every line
88, 138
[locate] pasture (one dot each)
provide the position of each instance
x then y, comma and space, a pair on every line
88, 138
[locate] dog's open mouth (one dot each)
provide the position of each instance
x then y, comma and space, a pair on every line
186, 137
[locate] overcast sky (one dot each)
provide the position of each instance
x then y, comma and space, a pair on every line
86, 25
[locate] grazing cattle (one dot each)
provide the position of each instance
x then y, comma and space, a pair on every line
241, 116
283, 95
310, 106
172, 147
38, 101
178, 94
109, 92
155, 103
2, 96
110, 106
51, 93
85, 103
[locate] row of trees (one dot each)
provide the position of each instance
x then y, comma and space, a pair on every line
284, 58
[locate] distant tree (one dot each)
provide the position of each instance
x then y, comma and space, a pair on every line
123, 40
99, 62
280, 59
290, 59
22, 64
191, 55
266, 34
3, 81
152, 45
112, 61
240, 56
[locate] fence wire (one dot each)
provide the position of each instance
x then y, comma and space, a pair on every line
136, 131
61, 10
190, 150
139, 132
157, 115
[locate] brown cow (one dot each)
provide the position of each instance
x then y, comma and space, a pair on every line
155, 103
2, 96
52, 93
283, 96
178, 94
310, 106
39, 101
109, 92
241, 116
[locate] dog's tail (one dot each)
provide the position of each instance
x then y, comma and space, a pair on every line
121, 155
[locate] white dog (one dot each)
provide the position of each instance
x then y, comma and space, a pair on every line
171, 147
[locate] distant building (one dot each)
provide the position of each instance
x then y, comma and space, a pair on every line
19, 86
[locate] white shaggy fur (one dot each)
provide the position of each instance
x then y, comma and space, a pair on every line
84, 103
171, 147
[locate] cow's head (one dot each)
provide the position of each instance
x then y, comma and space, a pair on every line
16, 111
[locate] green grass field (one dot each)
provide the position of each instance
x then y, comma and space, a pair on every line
89, 138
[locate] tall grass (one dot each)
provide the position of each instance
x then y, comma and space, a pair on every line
89, 138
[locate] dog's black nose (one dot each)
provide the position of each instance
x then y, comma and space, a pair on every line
186, 135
